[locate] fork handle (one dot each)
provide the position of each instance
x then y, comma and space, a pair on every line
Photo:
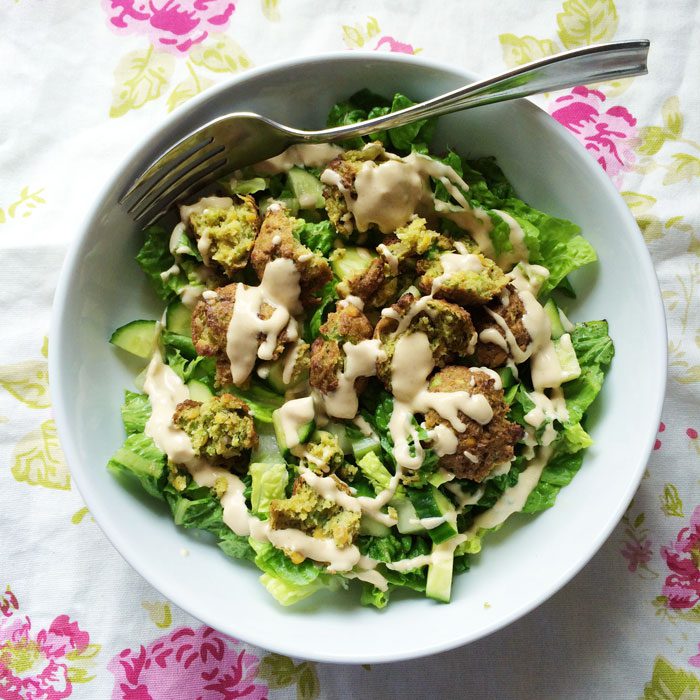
592, 64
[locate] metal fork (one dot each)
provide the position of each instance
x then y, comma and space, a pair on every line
243, 138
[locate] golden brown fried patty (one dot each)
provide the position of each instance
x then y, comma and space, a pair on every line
276, 240
347, 324
480, 448
210, 322
489, 354
448, 327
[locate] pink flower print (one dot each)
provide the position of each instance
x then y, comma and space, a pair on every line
682, 585
393, 46
608, 135
187, 663
34, 667
8, 603
637, 553
172, 25
695, 660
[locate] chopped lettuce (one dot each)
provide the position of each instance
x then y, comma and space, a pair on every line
261, 401
366, 105
559, 472
269, 481
139, 457
155, 258
329, 296
594, 351
318, 237
552, 242
136, 410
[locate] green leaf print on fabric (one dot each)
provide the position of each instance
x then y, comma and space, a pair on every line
518, 50
141, 76
671, 683
683, 167
671, 503
584, 22
220, 55
23, 206
279, 671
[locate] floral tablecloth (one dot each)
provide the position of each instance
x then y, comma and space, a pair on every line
80, 82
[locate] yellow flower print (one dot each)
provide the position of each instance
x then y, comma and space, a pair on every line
38, 459
28, 382
160, 613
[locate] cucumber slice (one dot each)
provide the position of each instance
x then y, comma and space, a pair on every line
199, 391
307, 189
369, 526
268, 450
297, 417
340, 433
438, 585
137, 337
552, 312
275, 376
364, 445
408, 518
570, 368
350, 262
431, 503
178, 319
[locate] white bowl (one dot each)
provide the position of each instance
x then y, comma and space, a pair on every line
101, 287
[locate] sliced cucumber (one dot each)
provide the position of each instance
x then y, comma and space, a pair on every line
307, 189
268, 450
409, 522
275, 376
199, 391
338, 429
291, 204
365, 445
137, 337
570, 368
431, 503
552, 312
296, 419
178, 319
438, 585
350, 262
369, 526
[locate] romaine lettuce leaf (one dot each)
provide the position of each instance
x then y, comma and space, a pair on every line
328, 296
155, 257
552, 242
139, 457
261, 401
366, 105
318, 237
594, 351
560, 470
136, 410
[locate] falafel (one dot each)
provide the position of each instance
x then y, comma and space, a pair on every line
220, 428
276, 240
448, 327
509, 306
480, 448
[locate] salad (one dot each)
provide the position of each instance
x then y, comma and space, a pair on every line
363, 366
